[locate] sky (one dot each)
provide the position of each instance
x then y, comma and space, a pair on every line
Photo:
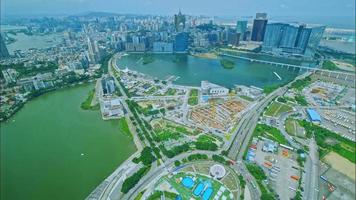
309, 11
205, 7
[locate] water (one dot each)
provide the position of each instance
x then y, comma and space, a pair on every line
25, 42
193, 70
51, 149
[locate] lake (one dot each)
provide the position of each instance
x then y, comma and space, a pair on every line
52, 149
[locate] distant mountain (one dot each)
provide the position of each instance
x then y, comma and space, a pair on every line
96, 14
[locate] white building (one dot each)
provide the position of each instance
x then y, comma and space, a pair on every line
212, 89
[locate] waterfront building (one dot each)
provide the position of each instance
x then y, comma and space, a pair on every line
108, 85
179, 21
259, 27
316, 35
212, 90
273, 35
233, 38
290, 35
241, 27
4, 53
163, 47
111, 108
132, 47
181, 42
303, 39
287, 38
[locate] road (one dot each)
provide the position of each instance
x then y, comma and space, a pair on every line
312, 172
158, 172
247, 125
282, 128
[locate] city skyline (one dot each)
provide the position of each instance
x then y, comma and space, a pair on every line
226, 8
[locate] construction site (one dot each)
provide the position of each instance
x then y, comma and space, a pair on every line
217, 114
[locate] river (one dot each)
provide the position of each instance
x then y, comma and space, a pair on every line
52, 149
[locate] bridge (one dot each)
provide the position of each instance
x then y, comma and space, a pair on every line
346, 76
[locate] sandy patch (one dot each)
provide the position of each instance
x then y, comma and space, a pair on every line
340, 164
344, 65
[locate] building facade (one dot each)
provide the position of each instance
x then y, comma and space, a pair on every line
181, 42
4, 53
241, 27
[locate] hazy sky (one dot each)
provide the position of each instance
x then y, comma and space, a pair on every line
206, 7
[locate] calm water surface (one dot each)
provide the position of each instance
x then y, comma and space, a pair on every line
193, 70
42, 147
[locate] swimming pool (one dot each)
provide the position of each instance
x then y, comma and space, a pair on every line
198, 189
207, 193
188, 182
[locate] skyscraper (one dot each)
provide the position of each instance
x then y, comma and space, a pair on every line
288, 38
316, 35
273, 36
181, 42
259, 27
179, 21
303, 39
241, 27
4, 53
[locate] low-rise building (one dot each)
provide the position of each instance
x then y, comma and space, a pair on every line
212, 90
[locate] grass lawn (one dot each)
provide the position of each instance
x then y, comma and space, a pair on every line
291, 127
168, 135
270, 133
124, 127
246, 98
193, 97
86, 105
277, 108
188, 193
171, 92
330, 141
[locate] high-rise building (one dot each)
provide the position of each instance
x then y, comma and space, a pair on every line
91, 50
316, 35
303, 39
259, 27
179, 21
241, 27
181, 42
233, 38
261, 15
4, 53
163, 47
287, 38
273, 36
290, 36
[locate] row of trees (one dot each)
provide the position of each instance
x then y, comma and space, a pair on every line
131, 181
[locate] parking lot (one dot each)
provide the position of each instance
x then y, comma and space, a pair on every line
280, 167
339, 121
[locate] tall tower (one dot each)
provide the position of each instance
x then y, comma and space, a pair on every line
259, 27
4, 53
179, 21
241, 27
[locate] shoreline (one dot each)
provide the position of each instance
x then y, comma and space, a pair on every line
22, 104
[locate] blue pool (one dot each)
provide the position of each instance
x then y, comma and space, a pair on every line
198, 189
188, 182
207, 193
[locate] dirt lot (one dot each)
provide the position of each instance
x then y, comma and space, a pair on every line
341, 164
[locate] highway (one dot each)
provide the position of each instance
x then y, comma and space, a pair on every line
238, 146
246, 127
312, 172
